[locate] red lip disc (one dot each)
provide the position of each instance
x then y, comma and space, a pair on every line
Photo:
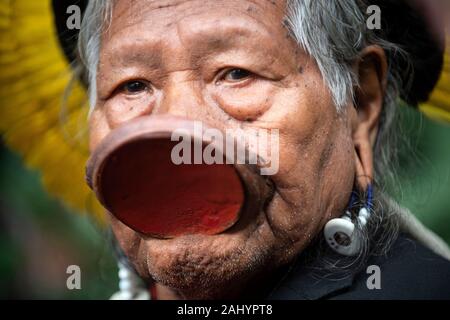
141, 186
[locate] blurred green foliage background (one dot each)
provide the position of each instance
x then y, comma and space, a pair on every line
40, 238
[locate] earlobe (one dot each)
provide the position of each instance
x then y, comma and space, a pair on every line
363, 165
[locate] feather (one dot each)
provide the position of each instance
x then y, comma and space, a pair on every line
34, 77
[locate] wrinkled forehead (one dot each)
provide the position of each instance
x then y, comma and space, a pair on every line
158, 15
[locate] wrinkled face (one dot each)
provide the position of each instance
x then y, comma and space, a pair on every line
230, 64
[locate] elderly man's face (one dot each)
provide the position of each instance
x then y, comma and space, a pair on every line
230, 64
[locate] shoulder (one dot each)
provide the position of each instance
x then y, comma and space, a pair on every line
408, 271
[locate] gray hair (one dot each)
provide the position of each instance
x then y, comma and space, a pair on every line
334, 33
95, 20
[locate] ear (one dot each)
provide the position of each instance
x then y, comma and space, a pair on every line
371, 69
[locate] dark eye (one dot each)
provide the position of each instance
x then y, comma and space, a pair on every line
134, 87
235, 75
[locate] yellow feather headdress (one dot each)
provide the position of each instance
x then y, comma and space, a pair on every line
34, 74
51, 136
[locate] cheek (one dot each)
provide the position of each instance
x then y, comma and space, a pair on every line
130, 244
245, 103
98, 128
316, 165
121, 109
338, 174
313, 191
125, 236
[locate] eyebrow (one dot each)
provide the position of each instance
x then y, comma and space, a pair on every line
124, 56
216, 43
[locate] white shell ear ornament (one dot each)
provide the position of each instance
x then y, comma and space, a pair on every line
340, 232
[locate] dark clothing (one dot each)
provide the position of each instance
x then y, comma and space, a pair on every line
408, 271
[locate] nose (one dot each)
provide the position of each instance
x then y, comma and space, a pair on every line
182, 97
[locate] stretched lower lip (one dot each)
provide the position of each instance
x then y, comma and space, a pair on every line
135, 179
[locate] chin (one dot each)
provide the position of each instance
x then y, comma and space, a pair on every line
209, 266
